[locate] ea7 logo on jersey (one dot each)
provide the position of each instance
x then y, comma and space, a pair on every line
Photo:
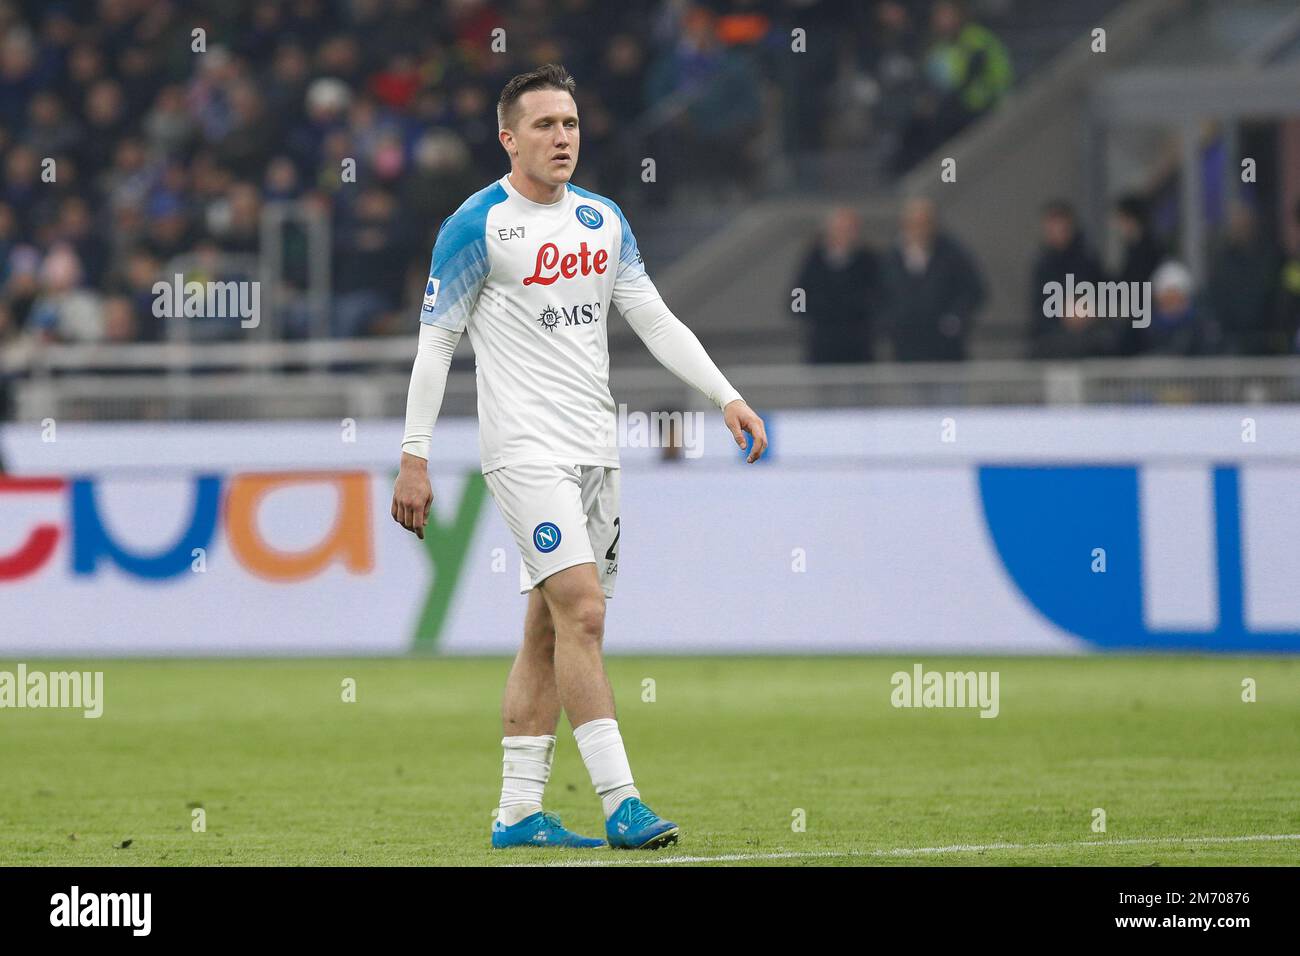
430, 294
584, 261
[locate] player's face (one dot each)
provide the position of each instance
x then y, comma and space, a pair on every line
545, 136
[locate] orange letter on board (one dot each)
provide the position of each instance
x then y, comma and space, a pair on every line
347, 542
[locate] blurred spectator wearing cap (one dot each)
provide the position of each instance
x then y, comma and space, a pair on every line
1178, 324
1064, 252
840, 279
327, 101
932, 289
1243, 288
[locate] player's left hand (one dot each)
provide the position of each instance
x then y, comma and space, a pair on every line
740, 418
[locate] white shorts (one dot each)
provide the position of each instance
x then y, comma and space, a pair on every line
560, 516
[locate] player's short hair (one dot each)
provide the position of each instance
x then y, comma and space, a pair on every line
552, 76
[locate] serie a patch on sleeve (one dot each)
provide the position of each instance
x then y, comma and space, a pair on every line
430, 294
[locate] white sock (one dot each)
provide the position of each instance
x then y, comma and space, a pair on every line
601, 746
525, 768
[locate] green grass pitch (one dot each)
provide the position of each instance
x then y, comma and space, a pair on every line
730, 748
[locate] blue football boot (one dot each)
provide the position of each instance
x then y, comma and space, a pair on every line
634, 826
540, 829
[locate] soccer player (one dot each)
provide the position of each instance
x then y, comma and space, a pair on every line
529, 266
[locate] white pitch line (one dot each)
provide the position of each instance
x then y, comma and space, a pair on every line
927, 850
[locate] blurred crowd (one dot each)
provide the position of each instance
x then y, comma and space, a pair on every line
928, 70
920, 297
134, 148
140, 138
1247, 304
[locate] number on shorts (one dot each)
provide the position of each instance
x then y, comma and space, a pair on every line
612, 554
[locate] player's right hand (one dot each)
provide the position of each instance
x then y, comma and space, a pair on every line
412, 495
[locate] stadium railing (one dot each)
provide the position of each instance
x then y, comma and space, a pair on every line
369, 378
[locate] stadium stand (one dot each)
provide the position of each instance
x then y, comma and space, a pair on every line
227, 163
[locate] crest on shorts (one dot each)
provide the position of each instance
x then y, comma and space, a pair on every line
546, 537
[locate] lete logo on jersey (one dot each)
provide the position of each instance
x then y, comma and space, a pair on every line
430, 294
551, 265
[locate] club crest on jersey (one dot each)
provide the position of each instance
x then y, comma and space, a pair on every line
551, 266
546, 537
430, 294
589, 216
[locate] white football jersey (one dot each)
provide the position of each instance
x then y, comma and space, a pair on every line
533, 284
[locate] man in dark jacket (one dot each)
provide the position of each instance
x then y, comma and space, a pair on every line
1143, 254
1243, 289
932, 287
1143, 251
839, 280
1065, 253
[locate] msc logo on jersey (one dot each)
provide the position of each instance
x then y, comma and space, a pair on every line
589, 217
430, 295
584, 314
546, 537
